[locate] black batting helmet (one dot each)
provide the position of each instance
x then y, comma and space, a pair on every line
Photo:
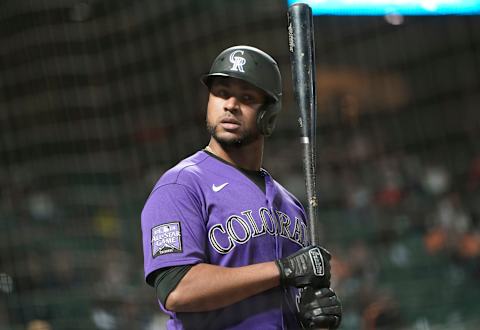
257, 68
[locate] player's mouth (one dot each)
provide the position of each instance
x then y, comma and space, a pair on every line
229, 123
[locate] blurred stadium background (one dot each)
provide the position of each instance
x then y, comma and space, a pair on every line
99, 97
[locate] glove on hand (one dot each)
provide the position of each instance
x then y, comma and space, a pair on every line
308, 266
319, 308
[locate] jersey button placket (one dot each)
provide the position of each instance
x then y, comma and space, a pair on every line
269, 197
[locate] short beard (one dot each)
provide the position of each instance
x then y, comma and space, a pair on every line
246, 138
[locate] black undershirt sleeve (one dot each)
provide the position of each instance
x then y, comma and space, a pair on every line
167, 279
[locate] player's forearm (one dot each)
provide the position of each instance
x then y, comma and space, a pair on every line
207, 287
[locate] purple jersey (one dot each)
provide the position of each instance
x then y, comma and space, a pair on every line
206, 211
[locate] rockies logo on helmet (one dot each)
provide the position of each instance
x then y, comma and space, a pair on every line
237, 61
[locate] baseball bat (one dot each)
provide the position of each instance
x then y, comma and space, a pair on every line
302, 58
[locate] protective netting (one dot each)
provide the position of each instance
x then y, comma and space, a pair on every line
99, 97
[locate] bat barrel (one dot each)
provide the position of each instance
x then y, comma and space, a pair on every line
302, 58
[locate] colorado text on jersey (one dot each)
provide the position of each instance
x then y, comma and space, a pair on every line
240, 229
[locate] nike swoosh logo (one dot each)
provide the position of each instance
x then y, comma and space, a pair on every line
218, 188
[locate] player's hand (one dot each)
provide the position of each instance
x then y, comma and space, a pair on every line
319, 309
309, 266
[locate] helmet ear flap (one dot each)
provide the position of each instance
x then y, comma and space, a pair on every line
267, 117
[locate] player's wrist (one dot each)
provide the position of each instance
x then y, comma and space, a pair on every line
280, 270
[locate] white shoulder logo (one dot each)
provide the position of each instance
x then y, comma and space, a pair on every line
218, 188
237, 61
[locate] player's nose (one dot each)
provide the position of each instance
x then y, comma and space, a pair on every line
231, 104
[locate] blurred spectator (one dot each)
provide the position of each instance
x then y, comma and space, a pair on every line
41, 206
359, 148
355, 268
103, 319
382, 313
469, 246
38, 325
157, 322
436, 180
107, 223
450, 227
391, 186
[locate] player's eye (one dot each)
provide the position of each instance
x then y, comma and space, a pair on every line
247, 97
221, 92
250, 99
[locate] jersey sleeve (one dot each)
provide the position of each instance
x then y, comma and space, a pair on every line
173, 228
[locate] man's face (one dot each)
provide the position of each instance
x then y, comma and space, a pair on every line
232, 111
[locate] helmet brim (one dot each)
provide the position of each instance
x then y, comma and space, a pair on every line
208, 78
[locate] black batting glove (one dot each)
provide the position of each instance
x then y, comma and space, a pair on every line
319, 309
309, 266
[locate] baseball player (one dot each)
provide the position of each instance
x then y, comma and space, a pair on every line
225, 245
